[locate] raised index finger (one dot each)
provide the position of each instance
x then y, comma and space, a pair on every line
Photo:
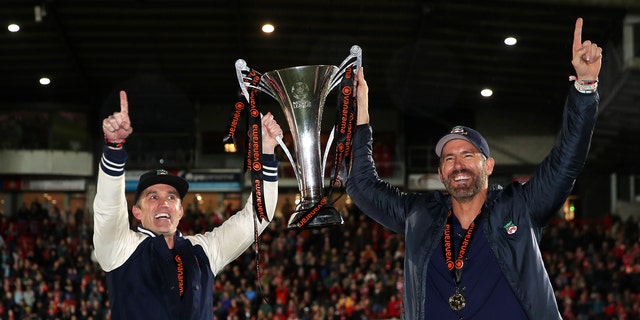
577, 35
124, 104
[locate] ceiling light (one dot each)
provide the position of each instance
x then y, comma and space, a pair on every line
268, 28
45, 81
510, 41
13, 27
486, 92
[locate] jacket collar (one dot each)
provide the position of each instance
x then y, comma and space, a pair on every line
152, 234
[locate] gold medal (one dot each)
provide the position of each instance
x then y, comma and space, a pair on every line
457, 302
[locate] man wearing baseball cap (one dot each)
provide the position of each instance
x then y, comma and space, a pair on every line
155, 272
472, 252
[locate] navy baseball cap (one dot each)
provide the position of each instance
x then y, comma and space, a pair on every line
161, 176
467, 134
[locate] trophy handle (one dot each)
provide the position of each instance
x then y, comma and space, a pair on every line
241, 66
326, 151
354, 53
241, 70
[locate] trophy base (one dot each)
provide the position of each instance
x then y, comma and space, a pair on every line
326, 217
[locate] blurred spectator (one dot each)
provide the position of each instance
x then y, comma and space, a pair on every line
47, 272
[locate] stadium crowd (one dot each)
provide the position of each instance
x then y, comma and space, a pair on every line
348, 272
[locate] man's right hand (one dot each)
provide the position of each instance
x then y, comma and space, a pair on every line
362, 92
117, 127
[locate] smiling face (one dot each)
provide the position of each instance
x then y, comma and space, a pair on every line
463, 170
159, 209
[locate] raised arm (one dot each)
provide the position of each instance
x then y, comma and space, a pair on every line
112, 238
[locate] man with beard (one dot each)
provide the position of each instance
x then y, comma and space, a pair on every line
472, 252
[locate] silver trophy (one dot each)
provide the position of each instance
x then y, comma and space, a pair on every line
301, 92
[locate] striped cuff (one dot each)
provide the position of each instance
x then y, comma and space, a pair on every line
113, 161
270, 167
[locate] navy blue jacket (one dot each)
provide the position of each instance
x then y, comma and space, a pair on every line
151, 272
529, 206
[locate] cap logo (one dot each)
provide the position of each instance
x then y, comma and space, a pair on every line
161, 172
459, 130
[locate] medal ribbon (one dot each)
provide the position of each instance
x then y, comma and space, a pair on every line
345, 122
254, 152
447, 247
180, 268
253, 157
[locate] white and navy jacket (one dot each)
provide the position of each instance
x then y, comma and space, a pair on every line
142, 274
